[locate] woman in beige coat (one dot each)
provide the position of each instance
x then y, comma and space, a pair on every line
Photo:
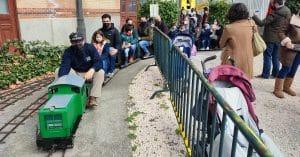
236, 39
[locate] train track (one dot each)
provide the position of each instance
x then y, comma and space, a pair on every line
9, 97
53, 150
10, 127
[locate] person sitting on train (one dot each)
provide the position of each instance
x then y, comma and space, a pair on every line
83, 59
103, 47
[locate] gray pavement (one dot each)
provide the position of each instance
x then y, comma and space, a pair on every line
101, 132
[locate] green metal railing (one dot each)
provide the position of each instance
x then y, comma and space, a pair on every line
190, 93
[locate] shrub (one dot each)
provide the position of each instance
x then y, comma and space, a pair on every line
294, 5
168, 10
218, 10
37, 58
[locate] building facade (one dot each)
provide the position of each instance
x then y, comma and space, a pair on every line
54, 20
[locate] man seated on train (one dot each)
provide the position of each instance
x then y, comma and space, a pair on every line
83, 59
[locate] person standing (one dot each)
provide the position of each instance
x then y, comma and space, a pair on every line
161, 25
113, 35
270, 23
236, 39
289, 34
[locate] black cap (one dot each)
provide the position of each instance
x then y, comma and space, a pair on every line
75, 36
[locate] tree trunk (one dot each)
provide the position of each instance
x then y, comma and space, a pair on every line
80, 18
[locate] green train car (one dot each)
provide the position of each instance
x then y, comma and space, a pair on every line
59, 117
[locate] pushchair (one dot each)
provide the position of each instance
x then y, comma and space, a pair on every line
184, 42
233, 85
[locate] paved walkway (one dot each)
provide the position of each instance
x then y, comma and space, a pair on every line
101, 132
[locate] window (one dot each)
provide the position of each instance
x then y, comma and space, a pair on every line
132, 6
3, 7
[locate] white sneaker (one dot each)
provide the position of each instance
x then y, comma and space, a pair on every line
207, 48
110, 75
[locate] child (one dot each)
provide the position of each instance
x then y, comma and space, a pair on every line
128, 44
205, 36
103, 48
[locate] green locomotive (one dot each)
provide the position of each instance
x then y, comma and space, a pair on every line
59, 117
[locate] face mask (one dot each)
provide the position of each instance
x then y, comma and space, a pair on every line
106, 25
143, 23
78, 47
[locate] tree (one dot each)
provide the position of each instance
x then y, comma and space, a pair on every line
168, 10
294, 5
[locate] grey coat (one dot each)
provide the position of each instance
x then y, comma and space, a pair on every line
272, 22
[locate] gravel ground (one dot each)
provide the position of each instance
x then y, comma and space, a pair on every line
153, 121
280, 118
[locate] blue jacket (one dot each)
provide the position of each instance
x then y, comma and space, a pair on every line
80, 61
105, 52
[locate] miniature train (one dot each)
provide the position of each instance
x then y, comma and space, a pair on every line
59, 117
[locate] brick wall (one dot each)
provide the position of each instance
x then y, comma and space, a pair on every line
64, 8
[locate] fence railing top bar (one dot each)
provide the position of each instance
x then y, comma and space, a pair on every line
244, 128
162, 33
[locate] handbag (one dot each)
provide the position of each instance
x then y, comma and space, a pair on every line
258, 44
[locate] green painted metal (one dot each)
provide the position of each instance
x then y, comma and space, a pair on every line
177, 69
58, 122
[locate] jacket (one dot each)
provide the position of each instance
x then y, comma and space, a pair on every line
80, 61
128, 39
237, 78
271, 22
113, 35
236, 42
145, 32
292, 32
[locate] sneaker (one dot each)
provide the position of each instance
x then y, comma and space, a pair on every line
110, 75
146, 55
207, 48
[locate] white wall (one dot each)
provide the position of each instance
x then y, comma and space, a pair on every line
56, 30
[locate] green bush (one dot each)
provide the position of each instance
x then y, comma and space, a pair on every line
218, 10
294, 5
168, 10
37, 58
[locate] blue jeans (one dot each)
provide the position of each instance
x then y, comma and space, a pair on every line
128, 52
105, 64
144, 44
290, 71
112, 63
271, 57
206, 42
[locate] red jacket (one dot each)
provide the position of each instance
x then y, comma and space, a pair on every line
237, 78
